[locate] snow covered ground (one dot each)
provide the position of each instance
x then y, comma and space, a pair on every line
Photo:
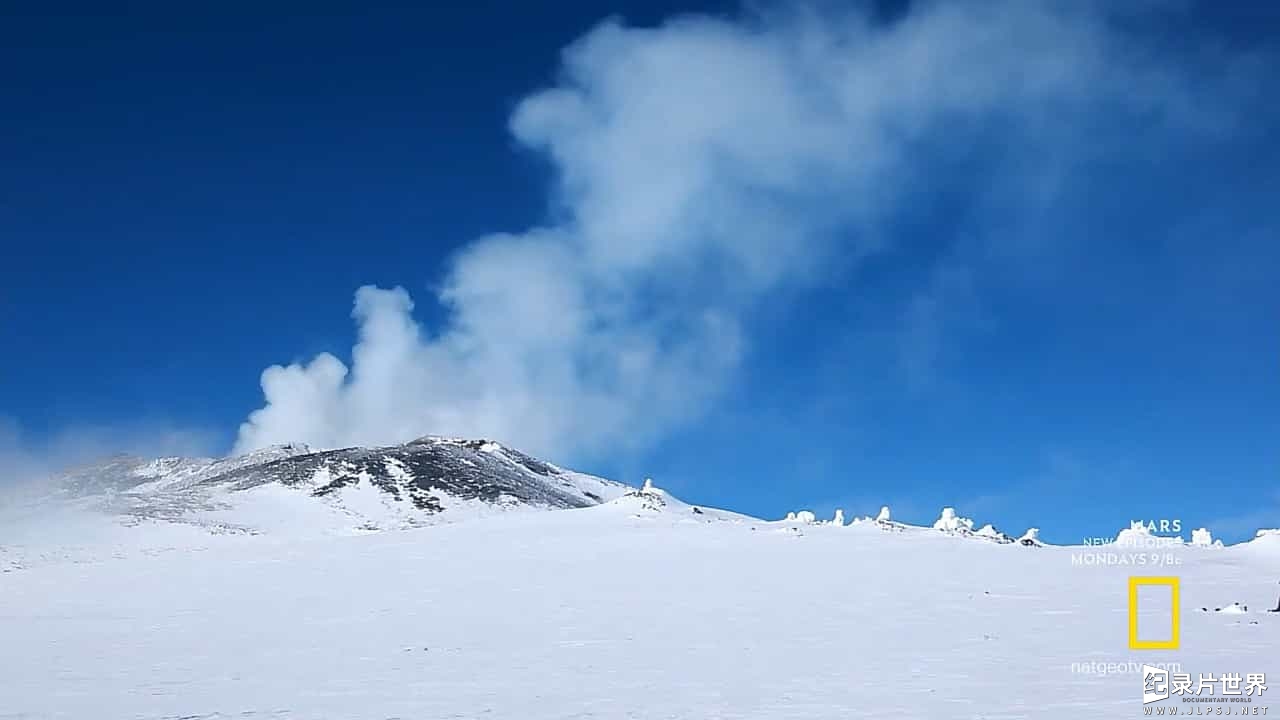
632, 609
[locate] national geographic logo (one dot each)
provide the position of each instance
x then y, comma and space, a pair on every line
1139, 581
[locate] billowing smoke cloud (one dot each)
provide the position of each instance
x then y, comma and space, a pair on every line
701, 166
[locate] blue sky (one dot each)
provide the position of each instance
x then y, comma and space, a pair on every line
1015, 257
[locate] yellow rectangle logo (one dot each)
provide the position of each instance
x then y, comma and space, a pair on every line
1134, 642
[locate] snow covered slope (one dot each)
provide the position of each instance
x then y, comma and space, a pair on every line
247, 588
627, 610
293, 489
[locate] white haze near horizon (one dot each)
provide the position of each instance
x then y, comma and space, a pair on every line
702, 166
25, 460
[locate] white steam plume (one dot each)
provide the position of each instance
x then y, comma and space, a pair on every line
701, 164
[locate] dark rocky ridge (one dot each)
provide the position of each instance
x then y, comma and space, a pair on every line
423, 474
416, 471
